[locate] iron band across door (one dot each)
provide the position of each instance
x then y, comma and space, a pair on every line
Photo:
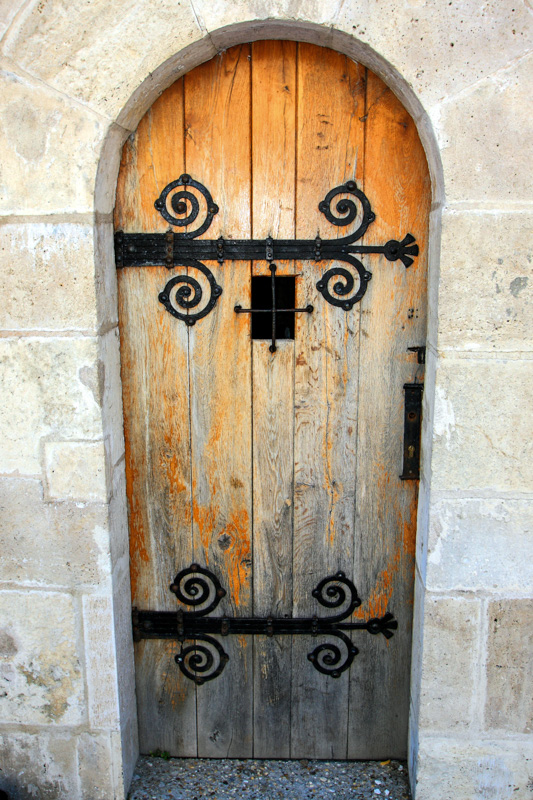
205, 658
179, 206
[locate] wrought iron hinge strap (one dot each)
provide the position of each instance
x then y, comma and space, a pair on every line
206, 658
151, 250
180, 207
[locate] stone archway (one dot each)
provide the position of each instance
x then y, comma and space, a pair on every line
183, 62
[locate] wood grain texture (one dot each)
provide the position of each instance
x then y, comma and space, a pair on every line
275, 470
155, 386
330, 149
274, 176
393, 318
218, 151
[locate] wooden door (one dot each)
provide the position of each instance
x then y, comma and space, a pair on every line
273, 470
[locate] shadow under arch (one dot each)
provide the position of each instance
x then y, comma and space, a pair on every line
106, 180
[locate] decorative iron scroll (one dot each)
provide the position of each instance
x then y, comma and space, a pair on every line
205, 658
181, 207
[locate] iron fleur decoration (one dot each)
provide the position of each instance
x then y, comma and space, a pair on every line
204, 658
180, 204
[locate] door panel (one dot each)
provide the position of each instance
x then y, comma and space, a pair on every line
274, 470
218, 147
392, 319
331, 95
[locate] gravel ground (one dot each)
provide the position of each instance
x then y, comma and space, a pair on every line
213, 779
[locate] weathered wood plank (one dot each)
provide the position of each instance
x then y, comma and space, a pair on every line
218, 143
329, 151
274, 174
393, 319
273, 485
156, 424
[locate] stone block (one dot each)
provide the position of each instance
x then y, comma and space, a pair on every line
99, 53
482, 434
97, 763
63, 544
129, 740
481, 545
498, 155
48, 391
118, 516
50, 148
112, 394
486, 281
450, 650
47, 277
124, 644
98, 624
76, 471
440, 48
105, 271
42, 766
220, 14
40, 675
509, 704
8, 9
466, 769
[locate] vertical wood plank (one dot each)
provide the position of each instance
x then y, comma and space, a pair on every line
393, 319
273, 171
218, 143
329, 151
156, 424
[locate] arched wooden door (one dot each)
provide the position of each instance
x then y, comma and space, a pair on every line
272, 470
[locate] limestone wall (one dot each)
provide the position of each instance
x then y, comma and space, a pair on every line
76, 77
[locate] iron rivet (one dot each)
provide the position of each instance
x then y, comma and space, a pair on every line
351, 185
185, 178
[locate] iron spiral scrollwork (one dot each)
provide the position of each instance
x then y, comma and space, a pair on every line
186, 202
335, 592
203, 658
181, 207
175, 298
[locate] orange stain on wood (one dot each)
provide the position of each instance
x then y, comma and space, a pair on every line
138, 551
378, 600
238, 560
205, 519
